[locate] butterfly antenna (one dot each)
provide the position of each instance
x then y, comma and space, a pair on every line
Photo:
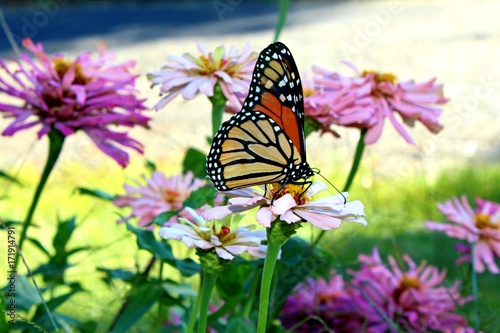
343, 196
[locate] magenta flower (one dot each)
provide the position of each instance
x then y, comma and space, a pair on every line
225, 237
159, 194
319, 304
415, 300
189, 74
84, 94
479, 227
292, 205
364, 101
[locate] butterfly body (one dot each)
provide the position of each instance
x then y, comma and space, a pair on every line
264, 143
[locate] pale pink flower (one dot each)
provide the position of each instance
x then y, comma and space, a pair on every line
479, 227
225, 236
292, 205
190, 74
159, 194
92, 95
414, 299
364, 101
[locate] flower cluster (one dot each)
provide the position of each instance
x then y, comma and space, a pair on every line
291, 204
159, 194
189, 74
365, 100
68, 95
479, 227
379, 299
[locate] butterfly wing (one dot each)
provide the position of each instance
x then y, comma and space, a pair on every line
264, 142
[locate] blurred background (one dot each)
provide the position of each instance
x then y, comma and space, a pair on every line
457, 42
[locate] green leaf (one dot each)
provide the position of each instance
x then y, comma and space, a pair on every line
141, 299
26, 294
200, 197
146, 240
150, 165
10, 178
195, 162
310, 126
239, 325
94, 193
119, 274
39, 245
64, 231
164, 217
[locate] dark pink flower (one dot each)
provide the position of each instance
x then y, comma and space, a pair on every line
319, 304
159, 194
69, 95
189, 74
415, 300
365, 100
479, 227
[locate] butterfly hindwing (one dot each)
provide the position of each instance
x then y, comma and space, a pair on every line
264, 142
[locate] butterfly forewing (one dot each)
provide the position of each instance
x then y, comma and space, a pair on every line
264, 142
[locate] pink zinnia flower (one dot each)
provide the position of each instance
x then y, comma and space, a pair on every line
159, 194
364, 101
225, 236
69, 95
189, 74
479, 227
292, 205
415, 300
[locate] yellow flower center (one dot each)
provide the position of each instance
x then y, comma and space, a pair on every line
381, 77
296, 191
483, 221
407, 282
62, 66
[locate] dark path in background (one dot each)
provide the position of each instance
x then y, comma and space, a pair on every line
53, 22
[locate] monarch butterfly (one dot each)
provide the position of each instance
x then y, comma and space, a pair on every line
264, 143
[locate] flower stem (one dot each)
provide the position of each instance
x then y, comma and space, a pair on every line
284, 4
195, 310
207, 285
475, 292
354, 169
56, 141
275, 238
218, 101
357, 159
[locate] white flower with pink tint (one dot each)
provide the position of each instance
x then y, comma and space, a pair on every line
189, 75
291, 204
225, 237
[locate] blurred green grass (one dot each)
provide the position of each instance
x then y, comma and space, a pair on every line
395, 209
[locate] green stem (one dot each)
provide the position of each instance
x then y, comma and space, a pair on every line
207, 285
357, 159
56, 141
475, 291
354, 169
284, 4
195, 310
218, 101
273, 248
